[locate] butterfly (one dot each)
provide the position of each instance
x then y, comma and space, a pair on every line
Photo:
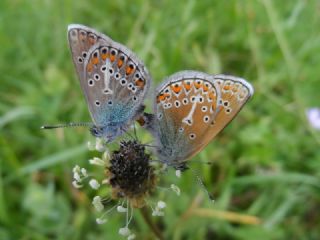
190, 109
114, 81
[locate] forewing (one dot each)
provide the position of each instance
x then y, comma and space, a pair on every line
235, 92
186, 106
117, 83
192, 108
81, 39
113, 79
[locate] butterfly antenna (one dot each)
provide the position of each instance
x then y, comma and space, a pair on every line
199, 180
66, 125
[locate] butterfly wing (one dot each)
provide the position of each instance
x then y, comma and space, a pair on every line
81, 39
190, 111
114, 81
119, 84
235, 92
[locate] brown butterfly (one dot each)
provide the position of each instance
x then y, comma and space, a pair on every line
190, 109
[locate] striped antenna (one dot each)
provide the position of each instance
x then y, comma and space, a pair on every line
66, 125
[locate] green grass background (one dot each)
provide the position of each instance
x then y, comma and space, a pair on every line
265, 164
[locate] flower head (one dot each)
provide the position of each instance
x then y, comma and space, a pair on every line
130, 174
131, 177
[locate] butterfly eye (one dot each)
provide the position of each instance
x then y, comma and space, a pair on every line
111, 71
84, 54
200, 99
95, 131
181, 129
97, 103
110, 102
80, 60
134, 98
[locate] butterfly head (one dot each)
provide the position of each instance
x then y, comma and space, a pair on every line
108, 133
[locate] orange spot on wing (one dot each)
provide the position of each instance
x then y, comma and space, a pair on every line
129, 70
166, 95
205, 88
212, 96
197, 85
89, 67
187, 86
140, 83
162, 97
227, 87
104, 56
95, 60
112, 58
176, 88
120, 63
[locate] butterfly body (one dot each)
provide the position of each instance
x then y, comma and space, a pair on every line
113, 80
190, 109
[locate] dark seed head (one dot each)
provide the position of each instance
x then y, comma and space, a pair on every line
130, 173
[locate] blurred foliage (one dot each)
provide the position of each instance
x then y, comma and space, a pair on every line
265, 164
